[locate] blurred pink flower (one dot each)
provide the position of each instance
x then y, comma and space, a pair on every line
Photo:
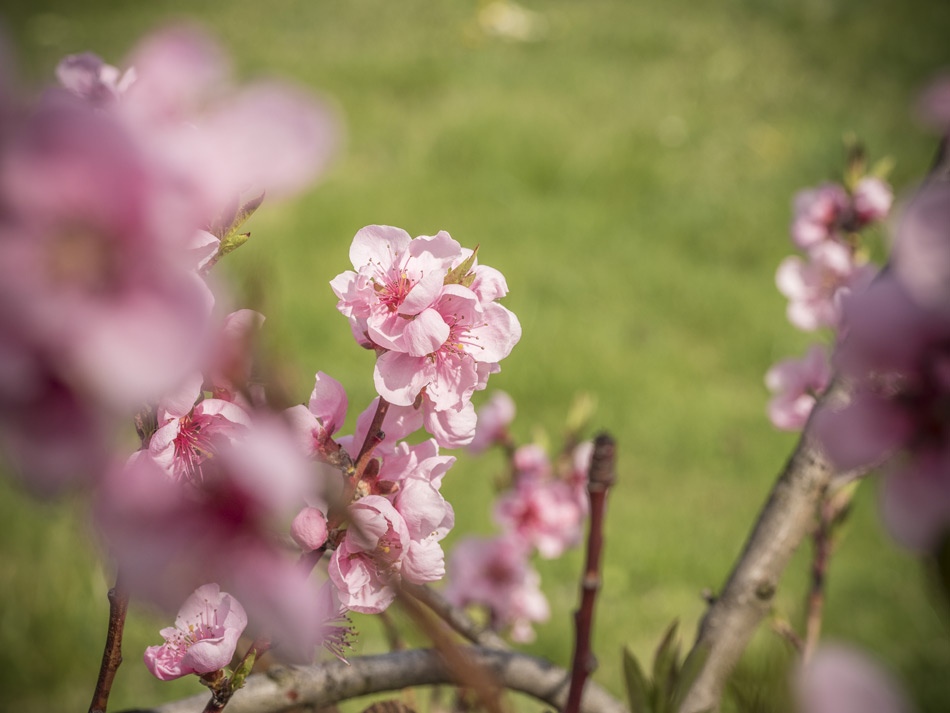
204, 637
495, 573
816, 214
796, 384
815, 288
844, 680
91, 79
872, 200
546, 512
494, 417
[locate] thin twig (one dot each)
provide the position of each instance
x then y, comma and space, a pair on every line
334, 681
112, 653
455, 617
815, 604
467, 672
601, 478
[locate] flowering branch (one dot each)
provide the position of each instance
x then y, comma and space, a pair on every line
334, 681
601, 478
112, 653
747, 596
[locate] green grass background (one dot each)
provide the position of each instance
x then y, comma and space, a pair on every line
631, 175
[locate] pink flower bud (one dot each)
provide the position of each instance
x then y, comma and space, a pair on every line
309, 529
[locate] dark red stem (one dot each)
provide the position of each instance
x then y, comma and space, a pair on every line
374, 436
112, 653
601, 477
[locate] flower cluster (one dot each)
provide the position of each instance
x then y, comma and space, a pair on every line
827, 226
110, 186
896, 356
543, 511
430, 311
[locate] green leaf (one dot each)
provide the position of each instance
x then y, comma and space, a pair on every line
688, 673
460, 275
665, 663
232, 243
638, 691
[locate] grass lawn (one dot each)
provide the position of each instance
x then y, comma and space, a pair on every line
630, 173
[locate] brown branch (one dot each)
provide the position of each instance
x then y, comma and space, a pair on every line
374, 436
112, 653
600, 477
333, 681
731, 620
455, 617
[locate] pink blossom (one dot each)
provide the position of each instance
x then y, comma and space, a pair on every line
266, 136
91, 79
496, 574
872, 200
921, 254
368, 560
817, 210
545, 512
166, 537
315, 424
230, 370
93, 255
933, 105
815, 288
494, 417
452, 337
309, 529
182, 444
396, 279
796, 383
204, 637
843, 680
895, 356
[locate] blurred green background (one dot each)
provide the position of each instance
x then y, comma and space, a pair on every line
629, 169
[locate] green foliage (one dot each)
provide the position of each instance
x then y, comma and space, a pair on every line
671, 681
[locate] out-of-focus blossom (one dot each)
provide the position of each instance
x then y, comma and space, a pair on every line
815, 288
495, 573
91, 79
542, 510
872, 200
933, 105
494, 417
843, 680
921, 253
816, 214
204, 637
796, 383
896, 355
229, 374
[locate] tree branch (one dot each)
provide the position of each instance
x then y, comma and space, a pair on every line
747, 596
331, 682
